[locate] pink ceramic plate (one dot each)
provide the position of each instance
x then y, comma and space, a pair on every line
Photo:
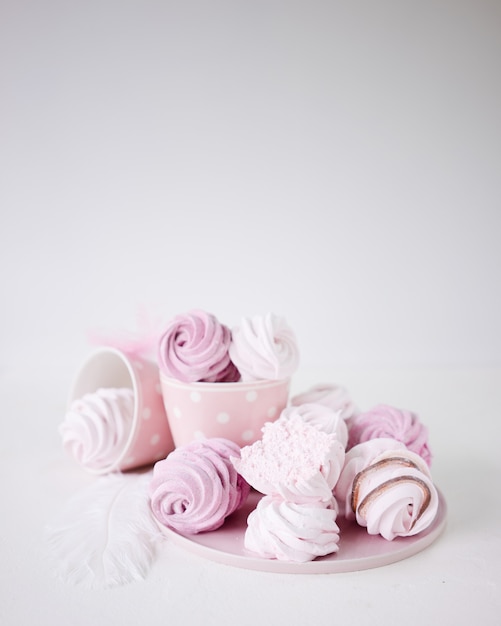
357, 549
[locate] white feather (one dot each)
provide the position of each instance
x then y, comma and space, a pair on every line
106, 534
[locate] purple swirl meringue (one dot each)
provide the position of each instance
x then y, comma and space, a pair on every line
196, 487
388, 421
194, 347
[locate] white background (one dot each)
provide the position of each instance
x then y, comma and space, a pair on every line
336, 163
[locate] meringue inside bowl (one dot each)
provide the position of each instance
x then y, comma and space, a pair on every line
147, 437
235, 411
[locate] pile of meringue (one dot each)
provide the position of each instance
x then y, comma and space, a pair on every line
193, 347
197, 347
321, 458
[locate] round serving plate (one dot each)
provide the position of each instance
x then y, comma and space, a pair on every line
357, 549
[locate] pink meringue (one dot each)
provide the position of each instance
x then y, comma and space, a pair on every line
287, 531
395, 496
387, 421
97, 426
321, 416
194, 347
335, 397
264, 347
294, 460
196, 487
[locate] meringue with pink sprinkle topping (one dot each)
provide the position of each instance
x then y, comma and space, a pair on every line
388, 421
196, 487
293, 460
321, 416
194, 347
264, 347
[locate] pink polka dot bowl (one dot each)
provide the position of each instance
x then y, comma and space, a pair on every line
150, 438
235, 411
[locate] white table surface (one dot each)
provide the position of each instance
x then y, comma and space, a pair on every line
455, 581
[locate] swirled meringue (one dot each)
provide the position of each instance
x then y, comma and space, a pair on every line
97, 426
194, 347
335, 397
388, 421
287, 531
196, 487
264, 347
357, 459
395, 496
321, 416
294, 460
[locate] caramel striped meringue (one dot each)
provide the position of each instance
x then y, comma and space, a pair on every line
394, 496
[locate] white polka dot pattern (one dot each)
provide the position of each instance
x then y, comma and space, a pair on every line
195, 396
235, 411
248, 435
271, 412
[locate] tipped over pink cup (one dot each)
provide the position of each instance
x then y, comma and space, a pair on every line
236, 411
149, 438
